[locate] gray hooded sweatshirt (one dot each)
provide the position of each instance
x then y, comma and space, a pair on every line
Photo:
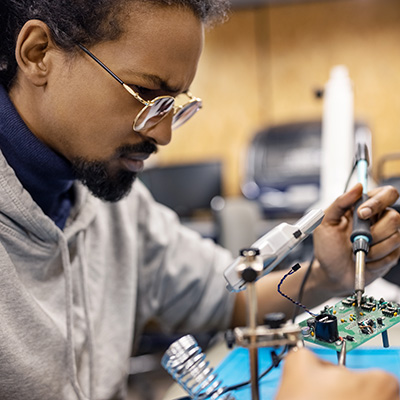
72, 301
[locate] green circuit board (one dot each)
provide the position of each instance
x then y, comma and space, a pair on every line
355, 324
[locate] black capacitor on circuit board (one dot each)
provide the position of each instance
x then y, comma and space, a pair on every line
326, 328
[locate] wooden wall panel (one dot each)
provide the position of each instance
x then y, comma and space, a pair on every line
226, 81
307, 40
263, 65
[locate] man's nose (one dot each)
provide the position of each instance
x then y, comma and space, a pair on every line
162, 132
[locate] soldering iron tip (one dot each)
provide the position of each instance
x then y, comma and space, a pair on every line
359, 297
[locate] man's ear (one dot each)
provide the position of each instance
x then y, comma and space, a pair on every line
32, 51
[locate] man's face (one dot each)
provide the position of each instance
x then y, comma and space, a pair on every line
87, 116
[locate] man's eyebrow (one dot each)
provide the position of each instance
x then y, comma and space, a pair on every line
154, 80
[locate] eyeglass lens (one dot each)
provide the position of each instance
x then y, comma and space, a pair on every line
154, 114
185, 113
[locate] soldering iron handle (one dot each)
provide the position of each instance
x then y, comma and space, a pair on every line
361, 227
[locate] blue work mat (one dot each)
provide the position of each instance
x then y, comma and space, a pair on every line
234, 368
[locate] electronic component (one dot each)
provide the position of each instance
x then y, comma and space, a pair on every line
306, 331
326, 328
366, 326
355, 324
368, 306
389, 312
311, 322
348, 302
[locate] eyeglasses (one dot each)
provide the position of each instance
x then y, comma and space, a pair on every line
154, 111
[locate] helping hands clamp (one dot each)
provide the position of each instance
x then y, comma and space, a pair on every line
184, 359
263, 256
274, 333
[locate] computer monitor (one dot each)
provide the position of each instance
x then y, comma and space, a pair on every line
186, 188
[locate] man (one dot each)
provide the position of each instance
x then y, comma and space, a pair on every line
83, 270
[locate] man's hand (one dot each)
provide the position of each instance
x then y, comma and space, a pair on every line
332, 245
305, 376
334, 273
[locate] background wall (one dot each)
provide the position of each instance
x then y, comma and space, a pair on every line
263, 66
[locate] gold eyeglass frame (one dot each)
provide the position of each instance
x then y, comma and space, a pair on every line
150, 103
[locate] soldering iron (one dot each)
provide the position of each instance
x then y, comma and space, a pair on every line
274, 246
361, 235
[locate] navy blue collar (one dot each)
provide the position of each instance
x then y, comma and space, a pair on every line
46, 175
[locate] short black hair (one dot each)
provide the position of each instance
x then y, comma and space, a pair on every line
81, 21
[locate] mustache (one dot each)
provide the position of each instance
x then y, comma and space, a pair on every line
142, 147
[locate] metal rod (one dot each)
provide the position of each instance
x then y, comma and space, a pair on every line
253, 350
342, 354
385, 339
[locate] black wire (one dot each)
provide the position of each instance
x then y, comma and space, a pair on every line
350, 175
309, 268
302, 286
269, 369
239, 385
297, 303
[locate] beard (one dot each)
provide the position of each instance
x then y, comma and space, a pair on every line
105, 184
